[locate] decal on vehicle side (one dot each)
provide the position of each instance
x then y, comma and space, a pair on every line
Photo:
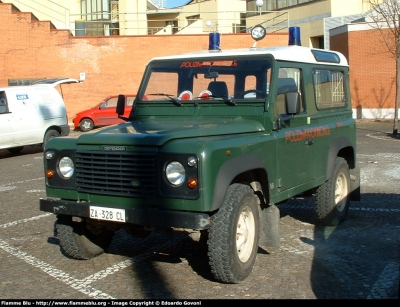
22, 96
209, 63
308, 133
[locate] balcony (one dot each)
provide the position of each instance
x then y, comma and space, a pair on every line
165, 22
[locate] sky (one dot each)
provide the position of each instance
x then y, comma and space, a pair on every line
175, 3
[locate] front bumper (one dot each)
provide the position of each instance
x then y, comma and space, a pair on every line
144, 217
65, 130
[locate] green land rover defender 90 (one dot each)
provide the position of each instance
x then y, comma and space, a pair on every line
216, 140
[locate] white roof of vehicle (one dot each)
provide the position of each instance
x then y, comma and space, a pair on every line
45, 83
291, 53
55, 81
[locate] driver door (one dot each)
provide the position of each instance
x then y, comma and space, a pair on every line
295, 150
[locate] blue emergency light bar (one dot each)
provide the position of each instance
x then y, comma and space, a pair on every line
294, 36
214, 41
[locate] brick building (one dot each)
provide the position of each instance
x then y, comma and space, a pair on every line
33, 49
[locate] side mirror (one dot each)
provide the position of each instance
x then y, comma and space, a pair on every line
292, 102
120, 105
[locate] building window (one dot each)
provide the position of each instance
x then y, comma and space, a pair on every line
271, 5
100, 16
95, 10
192, 19
114, 11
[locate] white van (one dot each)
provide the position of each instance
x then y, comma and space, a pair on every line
32, 114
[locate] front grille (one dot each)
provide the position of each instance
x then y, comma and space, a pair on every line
129, 174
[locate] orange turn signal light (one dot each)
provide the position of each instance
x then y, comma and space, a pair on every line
49, 173
192, 183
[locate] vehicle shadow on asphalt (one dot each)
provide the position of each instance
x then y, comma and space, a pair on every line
359, 258
157, 247
27, 150
349, 261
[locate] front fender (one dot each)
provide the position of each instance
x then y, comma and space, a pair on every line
229, 171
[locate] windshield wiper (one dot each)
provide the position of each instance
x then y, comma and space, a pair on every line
228, 100
170, 98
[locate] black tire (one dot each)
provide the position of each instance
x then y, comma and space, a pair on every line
333, 197
86, 124
15, 150
233, 235
81, 240
50, 134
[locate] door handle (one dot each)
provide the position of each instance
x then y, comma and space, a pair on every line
309, 142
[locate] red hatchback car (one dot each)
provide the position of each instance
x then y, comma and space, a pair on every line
103, 114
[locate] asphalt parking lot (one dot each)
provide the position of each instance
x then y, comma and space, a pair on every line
359, 259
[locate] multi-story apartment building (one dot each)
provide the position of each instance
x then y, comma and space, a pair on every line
150, 17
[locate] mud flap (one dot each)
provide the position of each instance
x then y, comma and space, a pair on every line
269, 227
355, 191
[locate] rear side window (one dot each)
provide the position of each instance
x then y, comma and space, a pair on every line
129, 100
3, 103
111, 103
329, 89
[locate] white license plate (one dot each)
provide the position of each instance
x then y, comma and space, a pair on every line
107, 214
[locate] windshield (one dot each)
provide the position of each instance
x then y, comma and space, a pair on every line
228, 80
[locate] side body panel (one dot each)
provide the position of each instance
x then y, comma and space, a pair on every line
31, 111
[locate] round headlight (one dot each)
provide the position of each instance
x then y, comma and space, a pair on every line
66, 167
175, 173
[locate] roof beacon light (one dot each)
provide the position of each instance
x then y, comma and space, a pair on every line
214, 41
294, 36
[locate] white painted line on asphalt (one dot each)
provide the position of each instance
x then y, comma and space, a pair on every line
28, 180
108, 271
385, 281
74, 283
79, 285
24, 220
351, 208
4, 188
12, 185
382, 137
35, 191
374, 209
379, 290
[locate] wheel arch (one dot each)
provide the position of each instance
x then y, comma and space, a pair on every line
54, 127
245, 169
340, 147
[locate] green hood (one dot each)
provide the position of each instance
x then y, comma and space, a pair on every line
157, 131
